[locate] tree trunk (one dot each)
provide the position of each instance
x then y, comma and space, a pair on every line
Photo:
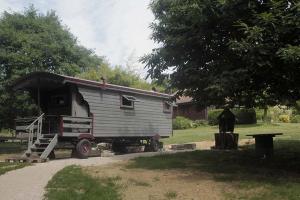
265, 114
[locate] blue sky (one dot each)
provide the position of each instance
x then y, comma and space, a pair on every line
116, 29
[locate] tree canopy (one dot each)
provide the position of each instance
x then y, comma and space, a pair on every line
120, 76
29, 42
228, 51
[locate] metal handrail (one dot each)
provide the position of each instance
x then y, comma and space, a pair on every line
30, 129
32, 124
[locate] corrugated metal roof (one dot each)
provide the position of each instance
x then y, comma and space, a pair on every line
88, 83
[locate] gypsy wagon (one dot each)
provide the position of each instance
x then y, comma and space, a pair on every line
79, 112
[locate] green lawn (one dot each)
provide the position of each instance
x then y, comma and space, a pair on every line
72, 183
12, 147
5, 167
291, 131
251, 177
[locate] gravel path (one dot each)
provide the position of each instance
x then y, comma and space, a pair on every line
29, 182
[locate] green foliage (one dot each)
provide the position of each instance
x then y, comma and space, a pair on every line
259, 114
29, 42
119, 76
284, 118
171, 195
277, 111
182, 123
245, 116
213, 116
198, 123
72, 183
295, 119
238, 52
5, 167
296, 109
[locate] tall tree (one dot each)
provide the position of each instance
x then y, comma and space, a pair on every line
244, 52
120, 76
30, 42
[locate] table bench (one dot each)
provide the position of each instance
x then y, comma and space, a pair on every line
264, 143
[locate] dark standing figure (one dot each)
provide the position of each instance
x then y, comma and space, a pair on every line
226, 121
226, 124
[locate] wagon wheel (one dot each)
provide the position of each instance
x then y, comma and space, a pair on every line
154, 145
52, 155
83, 148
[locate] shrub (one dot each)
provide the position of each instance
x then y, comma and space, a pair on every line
267, 119
198, 123
295, 119
259, 114
284, 118
245, 116
213, 116
278, 110
182, 123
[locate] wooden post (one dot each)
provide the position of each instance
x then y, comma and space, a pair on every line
264, 145
39, 100
226, 140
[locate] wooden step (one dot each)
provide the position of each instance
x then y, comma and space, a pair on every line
37, 148
45, 140
48, 135
43, 143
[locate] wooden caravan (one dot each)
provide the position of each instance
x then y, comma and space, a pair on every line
78, 112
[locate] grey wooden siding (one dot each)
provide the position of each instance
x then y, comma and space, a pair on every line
146, 119
78, 109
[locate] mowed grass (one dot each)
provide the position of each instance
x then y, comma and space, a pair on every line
248, 176
71, 183
291, 131
12, 147
5, 167
9, 149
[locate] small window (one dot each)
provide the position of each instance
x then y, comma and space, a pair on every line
59, 100
128, 101
167, 107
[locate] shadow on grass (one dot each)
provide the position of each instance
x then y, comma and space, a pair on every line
12, 147
233, 165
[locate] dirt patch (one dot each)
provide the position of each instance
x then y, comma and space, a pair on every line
141, 184
206, 145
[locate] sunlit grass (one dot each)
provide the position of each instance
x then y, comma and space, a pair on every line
290, 131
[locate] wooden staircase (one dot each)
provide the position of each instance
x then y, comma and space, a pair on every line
39, 145
42, 147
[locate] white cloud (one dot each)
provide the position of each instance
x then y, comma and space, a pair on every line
117, 29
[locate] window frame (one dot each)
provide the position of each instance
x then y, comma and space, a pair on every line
165, 110
132, 99
53, 101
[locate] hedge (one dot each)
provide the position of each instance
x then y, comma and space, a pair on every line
295, 119
243, 116
182, 123
213, 116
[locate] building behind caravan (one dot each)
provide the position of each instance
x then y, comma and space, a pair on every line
187, 108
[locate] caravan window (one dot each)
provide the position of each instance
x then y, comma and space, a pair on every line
58, 100
128, 101
167, 107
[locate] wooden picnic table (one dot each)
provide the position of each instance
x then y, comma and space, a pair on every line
264, 143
